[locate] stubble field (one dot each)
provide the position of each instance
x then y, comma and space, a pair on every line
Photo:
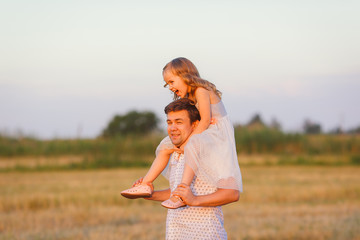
279, 202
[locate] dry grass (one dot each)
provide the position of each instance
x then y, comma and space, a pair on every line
278, 203
38, 161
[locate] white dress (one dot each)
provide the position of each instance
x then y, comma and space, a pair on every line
193, 222
212, 153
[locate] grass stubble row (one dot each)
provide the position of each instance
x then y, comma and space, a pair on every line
279, 202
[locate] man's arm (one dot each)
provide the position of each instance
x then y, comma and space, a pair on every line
218, 198
160, 195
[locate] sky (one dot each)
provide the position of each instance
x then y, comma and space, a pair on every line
67, 67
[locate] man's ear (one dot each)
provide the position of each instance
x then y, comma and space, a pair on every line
194, 124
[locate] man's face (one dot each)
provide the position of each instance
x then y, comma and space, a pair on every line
179, 127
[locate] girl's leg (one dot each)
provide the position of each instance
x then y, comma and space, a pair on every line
157, 166
142, 189
188, 176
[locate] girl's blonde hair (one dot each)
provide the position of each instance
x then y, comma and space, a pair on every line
187, 71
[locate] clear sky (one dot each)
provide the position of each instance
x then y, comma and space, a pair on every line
67, 67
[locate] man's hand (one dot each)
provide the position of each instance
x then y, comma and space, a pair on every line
218, 198
137, 182
184, 192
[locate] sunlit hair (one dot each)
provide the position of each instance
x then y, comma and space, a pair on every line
187, 71
184, 104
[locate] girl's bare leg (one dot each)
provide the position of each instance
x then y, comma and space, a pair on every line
157, 167
141, 187
187, 178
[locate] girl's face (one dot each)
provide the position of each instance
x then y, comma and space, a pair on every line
176, 84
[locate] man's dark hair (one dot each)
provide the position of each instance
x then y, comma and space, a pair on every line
184, 104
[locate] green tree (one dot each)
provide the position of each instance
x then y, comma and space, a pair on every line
355, 130
275, 124
256, 119
311, 127
134, 122
256, 123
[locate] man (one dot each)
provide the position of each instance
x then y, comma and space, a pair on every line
202, 218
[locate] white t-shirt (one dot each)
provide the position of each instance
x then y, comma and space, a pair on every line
193, 222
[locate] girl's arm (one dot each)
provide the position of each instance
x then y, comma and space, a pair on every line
202, 96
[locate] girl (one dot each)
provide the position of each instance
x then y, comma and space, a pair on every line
210, 151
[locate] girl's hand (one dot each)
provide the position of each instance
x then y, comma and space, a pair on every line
213, 121
178, 150
169, 151
184, 192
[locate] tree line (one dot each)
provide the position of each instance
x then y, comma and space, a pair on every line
144, 122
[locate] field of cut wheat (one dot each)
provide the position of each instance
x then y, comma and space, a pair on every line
279, 202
